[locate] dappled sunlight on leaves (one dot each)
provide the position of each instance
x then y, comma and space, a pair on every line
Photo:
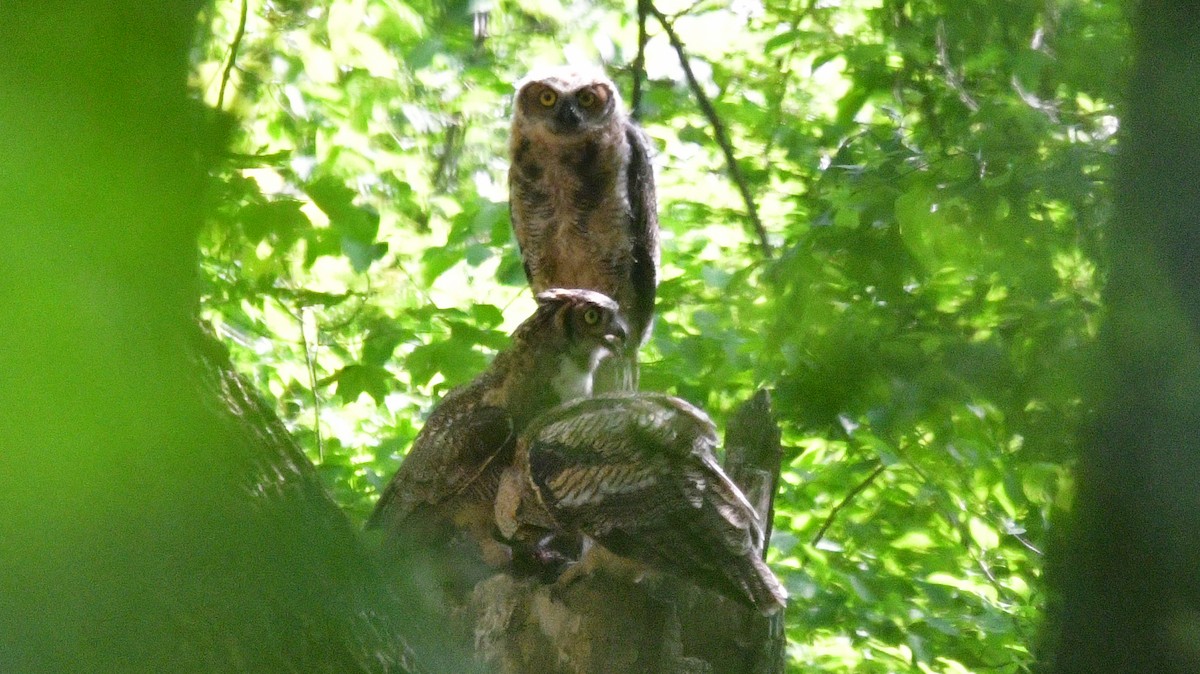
933, 180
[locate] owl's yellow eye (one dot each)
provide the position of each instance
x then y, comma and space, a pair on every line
591, 317
547, 98
586, 98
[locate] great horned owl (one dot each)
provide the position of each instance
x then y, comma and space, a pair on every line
443, 493
636, 473
581, 195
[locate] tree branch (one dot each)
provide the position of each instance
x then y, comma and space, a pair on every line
639, 62
953, 78
233, 51
312, 382
719, 132
846, 501
783, 64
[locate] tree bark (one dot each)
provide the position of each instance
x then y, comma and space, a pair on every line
1127, 579
753, 456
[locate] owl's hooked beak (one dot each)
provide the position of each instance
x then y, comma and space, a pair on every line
614, 340
567, 119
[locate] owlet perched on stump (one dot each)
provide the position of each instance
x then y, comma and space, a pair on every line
581, 195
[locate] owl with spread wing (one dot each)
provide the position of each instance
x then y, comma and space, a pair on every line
443, 493
581, 196
636, 474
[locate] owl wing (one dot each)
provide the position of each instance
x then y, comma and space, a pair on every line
522, 184
461, 439
643, 230
637, 474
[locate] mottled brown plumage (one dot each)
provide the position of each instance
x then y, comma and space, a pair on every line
581, 194
636, 473
445, 489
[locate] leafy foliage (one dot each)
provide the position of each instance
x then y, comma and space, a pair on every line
932, 180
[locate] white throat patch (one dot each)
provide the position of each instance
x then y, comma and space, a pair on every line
572, 381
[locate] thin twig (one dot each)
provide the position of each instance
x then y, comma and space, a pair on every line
846, 501
1027, 544
639, 63
312, 386
964, 535
953, 78
784, 65
412, 283
722, 137
233, 52
447, 160
352, 318
698, 6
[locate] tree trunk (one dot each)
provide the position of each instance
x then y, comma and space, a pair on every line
153, 515
1129, 579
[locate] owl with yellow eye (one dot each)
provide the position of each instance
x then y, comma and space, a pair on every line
439, 505
581, 195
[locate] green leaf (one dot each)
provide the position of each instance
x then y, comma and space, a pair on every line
361, 255
381, 342
511, 271
915, 209
354, 380
983, 535
454, 360
487, 315
477, 254
782, 40
436, 261
281, 219
321, 242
